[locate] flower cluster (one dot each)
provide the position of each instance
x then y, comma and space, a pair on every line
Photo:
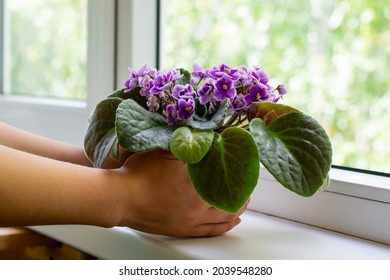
166, 92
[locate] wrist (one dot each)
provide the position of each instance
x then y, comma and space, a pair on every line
116, 189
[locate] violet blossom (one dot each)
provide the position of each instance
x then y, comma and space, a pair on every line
164, 80
136, 77
244, 75
185, 109
206, 92
171, 94
260, 76
183, 92
224, 71
239, 104
224, 89
197, 74
257, 92
172, 118
153, 103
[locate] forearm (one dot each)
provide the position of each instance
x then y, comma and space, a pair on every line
34, 144
38, 145
151, 192
36, 190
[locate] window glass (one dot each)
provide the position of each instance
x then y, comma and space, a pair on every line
333, 56
44, 48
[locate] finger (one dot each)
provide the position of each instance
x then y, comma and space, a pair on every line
215, 229
215, 215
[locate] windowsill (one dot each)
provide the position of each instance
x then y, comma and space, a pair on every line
45, 103
358, 184
355, 204
258, 236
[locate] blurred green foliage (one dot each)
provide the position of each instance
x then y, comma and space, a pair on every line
46, 48
333, 56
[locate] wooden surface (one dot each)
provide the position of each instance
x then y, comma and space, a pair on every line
23, 244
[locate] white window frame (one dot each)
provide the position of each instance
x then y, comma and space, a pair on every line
355, 203
67, 120
137, 38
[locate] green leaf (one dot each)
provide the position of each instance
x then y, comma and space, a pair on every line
191, 145
100, 138
296, 150
186, 79
200, 110
120, 93
268, 111
115, 150
215, 121
133, 94
228, 173
140, 130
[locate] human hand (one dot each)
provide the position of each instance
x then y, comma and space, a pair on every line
158, 197
112, 163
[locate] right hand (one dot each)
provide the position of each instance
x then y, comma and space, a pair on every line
159, 198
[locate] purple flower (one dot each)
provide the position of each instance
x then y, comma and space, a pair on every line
206, 92
172, 117
135, 77
146, 83
177, 101
259, 75
186, 109
224, 71
224, 89
239, 105
183, 92
161, 82
197, 74
183, 110
164, 80
244, 75
257, 92
132, 81
281, 89
153, 103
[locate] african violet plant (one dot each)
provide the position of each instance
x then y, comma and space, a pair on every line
222, 122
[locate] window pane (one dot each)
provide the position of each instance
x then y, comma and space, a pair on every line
333, 55
45, 45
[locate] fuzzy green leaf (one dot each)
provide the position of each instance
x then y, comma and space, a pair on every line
296, 151
139, 130
268, 111
228, 173
191, 145
200, 110
186, 79
100, 139
214, 122
132, 94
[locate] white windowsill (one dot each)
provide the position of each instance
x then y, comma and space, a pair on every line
358, 184
258, 236
356, 204
44, 101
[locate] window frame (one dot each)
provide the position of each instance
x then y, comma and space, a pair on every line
45, 115
137, 36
